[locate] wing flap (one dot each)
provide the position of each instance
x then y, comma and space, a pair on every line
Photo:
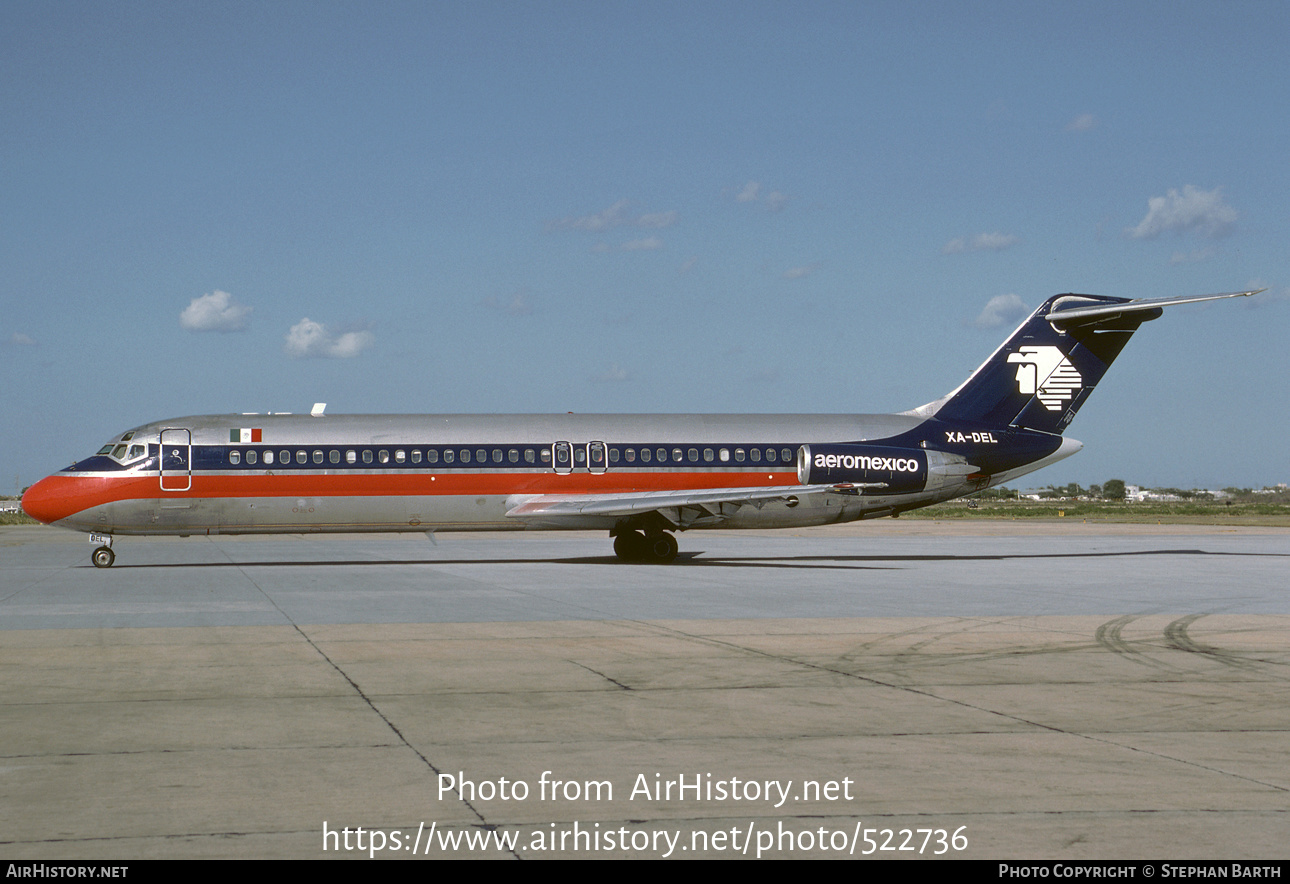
707, 505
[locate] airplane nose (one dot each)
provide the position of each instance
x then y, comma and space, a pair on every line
48, 501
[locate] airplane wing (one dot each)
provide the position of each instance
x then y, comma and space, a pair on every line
1077, 315
684, 508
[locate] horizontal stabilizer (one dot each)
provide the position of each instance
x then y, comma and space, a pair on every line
1079, 313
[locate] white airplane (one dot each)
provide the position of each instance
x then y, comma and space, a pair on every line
641, 477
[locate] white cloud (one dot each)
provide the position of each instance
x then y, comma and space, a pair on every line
751, 193
1082, 123
616, 215
638, 245
1193, 211
982, 242
800, 272
312, 339
657, 221
18, 339
217, 311
1001, 310
613, 375
520, 305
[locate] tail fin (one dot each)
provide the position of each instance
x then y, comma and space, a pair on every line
1043, 373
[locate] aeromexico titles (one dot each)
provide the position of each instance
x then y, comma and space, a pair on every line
639, 477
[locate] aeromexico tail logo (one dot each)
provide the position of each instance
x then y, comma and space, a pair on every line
1046, 371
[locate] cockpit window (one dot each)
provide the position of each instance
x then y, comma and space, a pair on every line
123, 450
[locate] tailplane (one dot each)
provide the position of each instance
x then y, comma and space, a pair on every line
1044, 372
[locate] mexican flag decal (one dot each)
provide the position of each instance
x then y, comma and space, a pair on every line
245, 434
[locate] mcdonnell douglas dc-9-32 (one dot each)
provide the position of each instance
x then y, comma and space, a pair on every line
640, 477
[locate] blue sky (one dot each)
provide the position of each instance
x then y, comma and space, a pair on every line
655, 207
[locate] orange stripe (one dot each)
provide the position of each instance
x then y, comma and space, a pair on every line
77, 493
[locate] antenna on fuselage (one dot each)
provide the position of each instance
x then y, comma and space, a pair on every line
318, 409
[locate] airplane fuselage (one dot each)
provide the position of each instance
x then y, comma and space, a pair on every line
300, 473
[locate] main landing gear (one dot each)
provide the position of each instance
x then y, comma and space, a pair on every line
655, 548
103, 557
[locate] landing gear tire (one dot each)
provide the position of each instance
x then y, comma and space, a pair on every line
103, 557
661, 548
633, 546
630, 546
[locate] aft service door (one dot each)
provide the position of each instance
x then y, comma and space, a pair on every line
176, 459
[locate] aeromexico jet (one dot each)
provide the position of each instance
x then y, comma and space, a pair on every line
640, 477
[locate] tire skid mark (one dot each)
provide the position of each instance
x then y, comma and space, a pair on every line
1177, 637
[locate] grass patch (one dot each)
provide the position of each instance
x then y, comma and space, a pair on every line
1182, 512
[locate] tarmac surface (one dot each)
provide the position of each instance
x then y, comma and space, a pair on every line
984, 690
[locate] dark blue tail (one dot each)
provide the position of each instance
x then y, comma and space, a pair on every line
1041, 375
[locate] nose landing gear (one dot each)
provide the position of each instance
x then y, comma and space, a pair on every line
103, 557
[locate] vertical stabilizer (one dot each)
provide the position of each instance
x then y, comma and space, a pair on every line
1046, 370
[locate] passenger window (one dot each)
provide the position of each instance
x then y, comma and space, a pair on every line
546, 455
513, 455
268, 458
351, 456
497, 455
449, 455
785, 455
529, 456
481, 455
367, 455
739, 455
724, 455
334, 455
383, 456
302, 456
694, 455
646, 455
234, 456
465, 455
708, 455
252, 455
318, 455
755, 455
432, 455
630, 454
400, 456
580, 456
676, 455
416, 455
284, 457
661, 455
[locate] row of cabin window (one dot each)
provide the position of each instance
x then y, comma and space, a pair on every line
511, 456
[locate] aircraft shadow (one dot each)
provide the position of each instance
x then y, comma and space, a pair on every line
695, 559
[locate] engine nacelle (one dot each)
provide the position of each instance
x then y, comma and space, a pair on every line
887, 470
